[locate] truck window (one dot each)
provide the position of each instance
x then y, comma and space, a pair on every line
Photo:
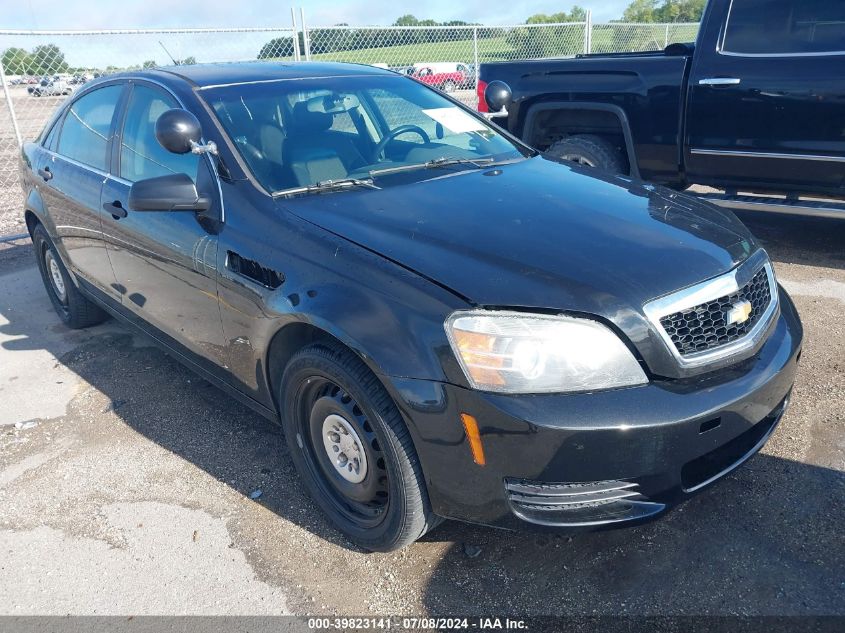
785, 27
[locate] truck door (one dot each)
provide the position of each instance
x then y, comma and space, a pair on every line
766, 101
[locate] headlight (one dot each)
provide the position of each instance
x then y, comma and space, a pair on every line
514, 352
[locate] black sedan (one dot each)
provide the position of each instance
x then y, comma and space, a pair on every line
446, 324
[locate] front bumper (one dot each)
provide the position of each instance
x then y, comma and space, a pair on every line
590, 460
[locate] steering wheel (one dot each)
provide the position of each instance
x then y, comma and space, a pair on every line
378, 151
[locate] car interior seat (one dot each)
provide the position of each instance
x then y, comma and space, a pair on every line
314, 152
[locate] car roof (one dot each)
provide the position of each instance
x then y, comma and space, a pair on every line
215, 74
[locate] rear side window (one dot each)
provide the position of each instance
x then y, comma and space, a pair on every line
785, 27
141, 156
85, 132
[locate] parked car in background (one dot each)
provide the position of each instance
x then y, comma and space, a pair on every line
470, 72
443, 76
50, 87
524, 343
755, 108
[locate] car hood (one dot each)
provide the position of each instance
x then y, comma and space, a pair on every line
540, 234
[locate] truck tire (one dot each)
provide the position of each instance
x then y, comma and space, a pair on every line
590, 150
334, 405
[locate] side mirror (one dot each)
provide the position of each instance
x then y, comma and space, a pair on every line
174, 192
178, 131
497, 95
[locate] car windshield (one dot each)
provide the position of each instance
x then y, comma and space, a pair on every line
301, 133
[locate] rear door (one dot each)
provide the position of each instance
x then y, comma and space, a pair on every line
72, 168
767, 104
164, 261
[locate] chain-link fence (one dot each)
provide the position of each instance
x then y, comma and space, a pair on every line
39, 69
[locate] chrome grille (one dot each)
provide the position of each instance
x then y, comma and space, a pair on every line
694, 322
705, 326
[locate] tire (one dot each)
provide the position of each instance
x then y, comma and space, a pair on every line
375, 494
449, 86
590, 150
75, 310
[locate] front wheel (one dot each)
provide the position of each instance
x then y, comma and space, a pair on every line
352, 449
449, 86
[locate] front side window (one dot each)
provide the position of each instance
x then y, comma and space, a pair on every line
85, 132
141, 155
785, 27
297, 133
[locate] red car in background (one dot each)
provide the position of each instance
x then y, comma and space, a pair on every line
442, 79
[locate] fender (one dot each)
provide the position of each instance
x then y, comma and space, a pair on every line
35, 204
618, 112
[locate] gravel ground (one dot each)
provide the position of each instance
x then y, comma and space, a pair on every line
126, 485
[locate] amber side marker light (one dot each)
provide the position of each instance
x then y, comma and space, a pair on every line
471, 428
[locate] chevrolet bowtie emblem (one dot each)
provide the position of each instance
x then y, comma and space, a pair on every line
739, 312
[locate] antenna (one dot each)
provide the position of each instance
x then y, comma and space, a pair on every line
175, 63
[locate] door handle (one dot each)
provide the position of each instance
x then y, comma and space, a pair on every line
117, 211
719, 81
45, 173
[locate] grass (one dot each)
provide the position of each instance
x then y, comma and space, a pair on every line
498, 48
407, 54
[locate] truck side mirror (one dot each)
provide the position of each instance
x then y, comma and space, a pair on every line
498, 95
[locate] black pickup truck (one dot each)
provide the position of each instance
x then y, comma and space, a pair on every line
755, 108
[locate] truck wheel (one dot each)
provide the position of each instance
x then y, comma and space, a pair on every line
75, 310
449, 86
352, 449
590, 150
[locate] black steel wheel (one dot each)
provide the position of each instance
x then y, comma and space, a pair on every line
352, 449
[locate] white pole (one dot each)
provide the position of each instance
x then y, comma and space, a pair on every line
10, 104
295, 35
588, 33
306, 41
475, 53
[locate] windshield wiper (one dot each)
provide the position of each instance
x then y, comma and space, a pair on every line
329, 185
434, 164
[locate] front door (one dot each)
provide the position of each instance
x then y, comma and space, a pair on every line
164, 261
767, 106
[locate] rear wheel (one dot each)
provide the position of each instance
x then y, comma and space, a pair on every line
352, 449
590, 150
75, 310
449, 86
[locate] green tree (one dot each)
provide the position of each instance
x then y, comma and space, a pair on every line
576, 14
549, 41
16, 61
642, 36
407, 20
47, 59
668, 11
150, 63
276, 48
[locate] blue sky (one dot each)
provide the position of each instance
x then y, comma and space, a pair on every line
112, 14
